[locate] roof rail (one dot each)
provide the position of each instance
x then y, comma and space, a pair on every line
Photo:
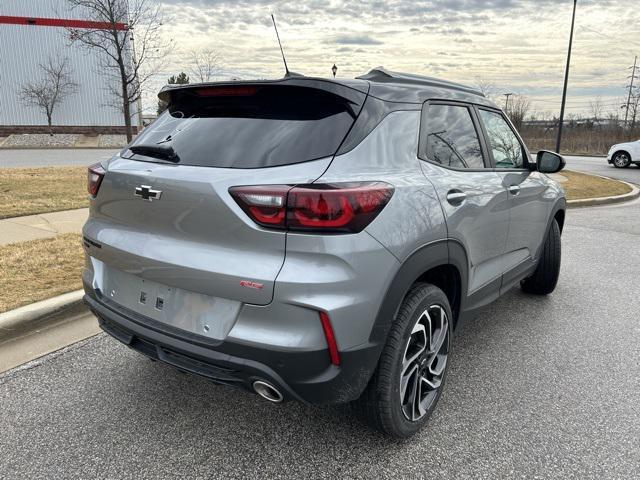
381, 75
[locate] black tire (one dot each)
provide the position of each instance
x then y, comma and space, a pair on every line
545, 278
381, 403
621, 160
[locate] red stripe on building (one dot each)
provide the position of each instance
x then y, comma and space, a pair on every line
61, 22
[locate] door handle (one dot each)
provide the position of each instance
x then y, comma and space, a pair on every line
456, 197
514, 189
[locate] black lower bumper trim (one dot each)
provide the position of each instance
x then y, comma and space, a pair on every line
304, 376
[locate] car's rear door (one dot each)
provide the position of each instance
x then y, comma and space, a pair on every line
472, 196
528, 206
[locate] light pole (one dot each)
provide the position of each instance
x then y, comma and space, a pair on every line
334, 69
566, 79
506, 102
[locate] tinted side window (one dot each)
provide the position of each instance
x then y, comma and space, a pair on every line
506, 148
451, 138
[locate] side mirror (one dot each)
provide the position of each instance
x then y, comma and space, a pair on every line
549, 162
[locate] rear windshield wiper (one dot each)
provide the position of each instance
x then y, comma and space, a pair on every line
161, 151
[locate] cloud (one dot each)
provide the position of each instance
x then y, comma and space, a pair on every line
356, 40
516, 44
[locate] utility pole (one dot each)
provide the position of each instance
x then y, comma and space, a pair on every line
506, 102
633, 76
566, 79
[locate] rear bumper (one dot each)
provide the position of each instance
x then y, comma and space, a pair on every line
304, 376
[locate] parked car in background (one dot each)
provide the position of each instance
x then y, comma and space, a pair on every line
622, 155
318, 240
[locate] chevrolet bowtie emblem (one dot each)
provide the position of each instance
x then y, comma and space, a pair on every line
147, 193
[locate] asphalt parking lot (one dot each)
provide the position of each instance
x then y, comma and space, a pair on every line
599, 166
538, 388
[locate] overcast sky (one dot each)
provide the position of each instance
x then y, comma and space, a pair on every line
518, 45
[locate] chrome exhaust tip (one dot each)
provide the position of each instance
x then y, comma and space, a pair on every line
267, 391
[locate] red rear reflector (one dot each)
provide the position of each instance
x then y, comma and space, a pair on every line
331, 338
95, 174
329, 208
226, 91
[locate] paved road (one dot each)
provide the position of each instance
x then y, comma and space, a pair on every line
53, 157
539, 387
599, 166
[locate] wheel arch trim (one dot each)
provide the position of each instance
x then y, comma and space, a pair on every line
436, 254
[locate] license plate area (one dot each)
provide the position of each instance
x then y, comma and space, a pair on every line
211, 317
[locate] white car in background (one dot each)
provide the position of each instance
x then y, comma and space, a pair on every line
622, 155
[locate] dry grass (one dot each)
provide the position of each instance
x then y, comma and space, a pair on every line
577, 140
580, 185
40, 269
28, 191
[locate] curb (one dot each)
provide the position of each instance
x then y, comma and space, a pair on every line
23, 319
591, 202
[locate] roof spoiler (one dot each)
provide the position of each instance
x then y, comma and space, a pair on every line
382, 75
353, 93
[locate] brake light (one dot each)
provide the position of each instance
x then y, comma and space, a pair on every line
226, 91
95, 174
331, 338
328, 208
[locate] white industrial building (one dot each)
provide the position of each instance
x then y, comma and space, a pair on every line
31, 31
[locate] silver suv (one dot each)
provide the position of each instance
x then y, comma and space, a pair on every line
319, 240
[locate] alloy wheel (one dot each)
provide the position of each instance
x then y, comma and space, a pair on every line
424, 362
621, 160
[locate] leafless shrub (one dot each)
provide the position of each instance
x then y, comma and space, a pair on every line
54, 86
518, 109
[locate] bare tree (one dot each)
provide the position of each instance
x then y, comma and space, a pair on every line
597, 109
205, 65
54, 86
128, 68
487, 88
518, 109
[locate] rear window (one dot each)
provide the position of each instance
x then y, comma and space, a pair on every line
251, 127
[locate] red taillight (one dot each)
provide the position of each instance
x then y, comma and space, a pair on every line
95, 174
331, 338
347, 207
330, 208
266, 205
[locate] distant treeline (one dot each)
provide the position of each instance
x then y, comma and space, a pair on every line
578, 137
